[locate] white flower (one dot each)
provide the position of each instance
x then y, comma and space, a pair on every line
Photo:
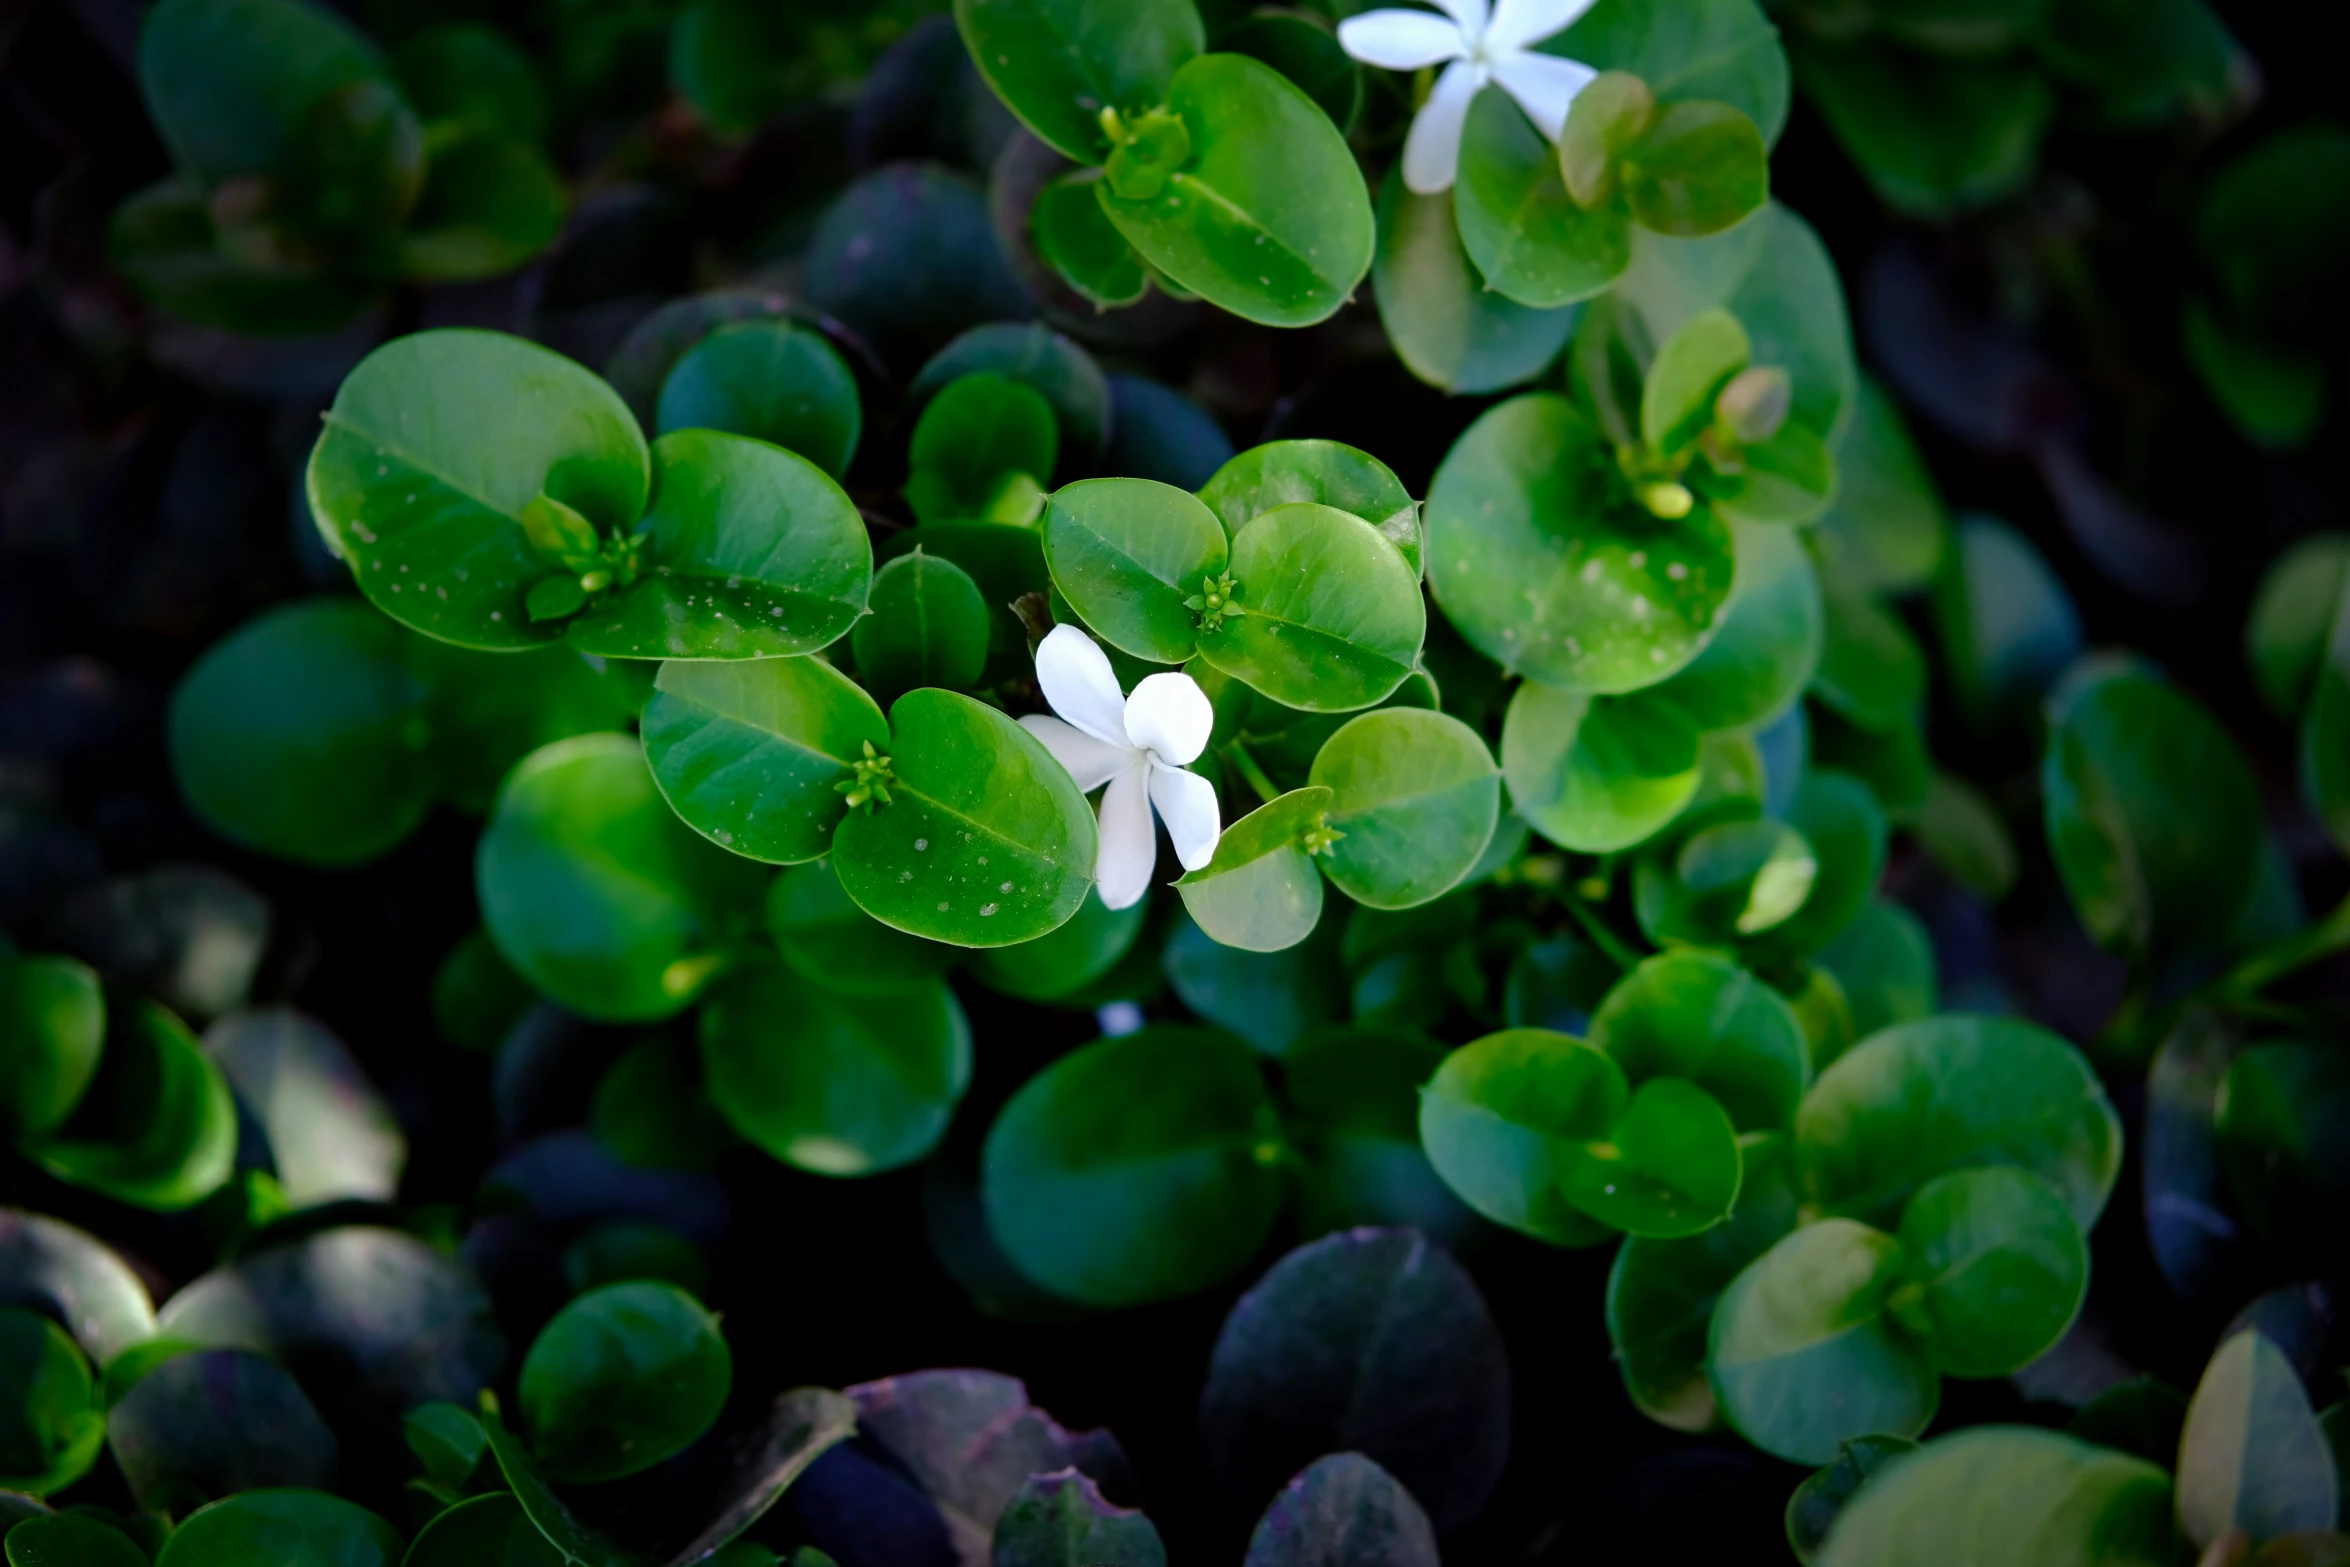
1499, 50
1138, 745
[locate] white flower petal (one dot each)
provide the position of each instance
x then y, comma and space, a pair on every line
1519, 24
1129, 844
1091, 762
1470, 14
1432, 152
1187, 804
1544, 85
1075, 675
1401, 40
1169, 715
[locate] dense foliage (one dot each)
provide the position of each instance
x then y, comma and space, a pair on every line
1255, 711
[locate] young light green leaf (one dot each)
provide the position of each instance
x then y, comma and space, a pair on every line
1260, 893
836, 1085
1414, 797
2252, 1456
435, 445
1725, 49
2061, 1502
1700, 167
1135, 1169
1846, 829
752, 552
1321, 612
597, 893
1690, 369
1596, 774
748, 752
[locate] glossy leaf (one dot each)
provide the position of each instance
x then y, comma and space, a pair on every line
1058, 63
577, 1543
1846, 829
1043, 360
985, 840
1596, 773
52, 1028
1668, 1166
1950, 1093
1543, 569
1278, 240
928, 627
1801, 1354
304, 733
753, 553
1767, 639
1416, 795
773, 381
1504, 1117
1064, 964
433, 448
1724, 49
1445, 325
1696, 1016
2002, 1266
1327, 612
295, 1528
1327, 473
985, 447
1530, 240
2251, 1456
1261, 893
2061, 1501
1074, 236
831, 941
1005, 562
1126, 553
1135, 1169
622, 1378
52, 1424
748, 753
837, 1085
157, 1126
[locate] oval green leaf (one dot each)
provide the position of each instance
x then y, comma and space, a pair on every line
2000, 1265
773, 381
1416, 795
1506, 1115
1530, 239
1596, 774
1326, 612
1127, 553
622, 1378
1701, 1017
1260, 893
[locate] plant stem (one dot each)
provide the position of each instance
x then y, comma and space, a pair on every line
2265, 967
1247, 767
1603, 938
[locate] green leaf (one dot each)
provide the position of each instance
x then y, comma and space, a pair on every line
1801, 1354
2060, 1502
1952, 1093
985, 448
1064, 963
1596, 774
433, 448
487, 711
928, 627
1998, 1266
1135, 1169
652, 1110
1260, 893
1062, 1520
1700, 167
1725, 49
1668, 1165
51, 1425
597, 893
490, 203
2286, 636
304, 733
1884, 963
1530, 240
1505, 1118
1041, 359
232, 83
1846, 829
1327, 473
1267, 998
985, 840
483, 1531
622, 1378
164, 242
1304, 48
292, 1528
2153, 818
157, 1126
1687, 376
1058, 63
1661, 1292
1700, 1017
1005, 562
1958, 828
2142, 1417
1887, 530
52, 1029
463, 73
1447, 327
1415, 795
1126, 553
1343, 1508
1767, 640
70, 1540
356, 169
2008, 628
1325, 612
63, 1273
1073, 234
1814, 1507
1774, 275
771, 380
1269, 218
753, 553
578, 1544
446, 1440
1356, 1091
1787, 478
2251, 1456
1871, 669
748, 753
832, 1084
831, 941
1545, 567
1935, 137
